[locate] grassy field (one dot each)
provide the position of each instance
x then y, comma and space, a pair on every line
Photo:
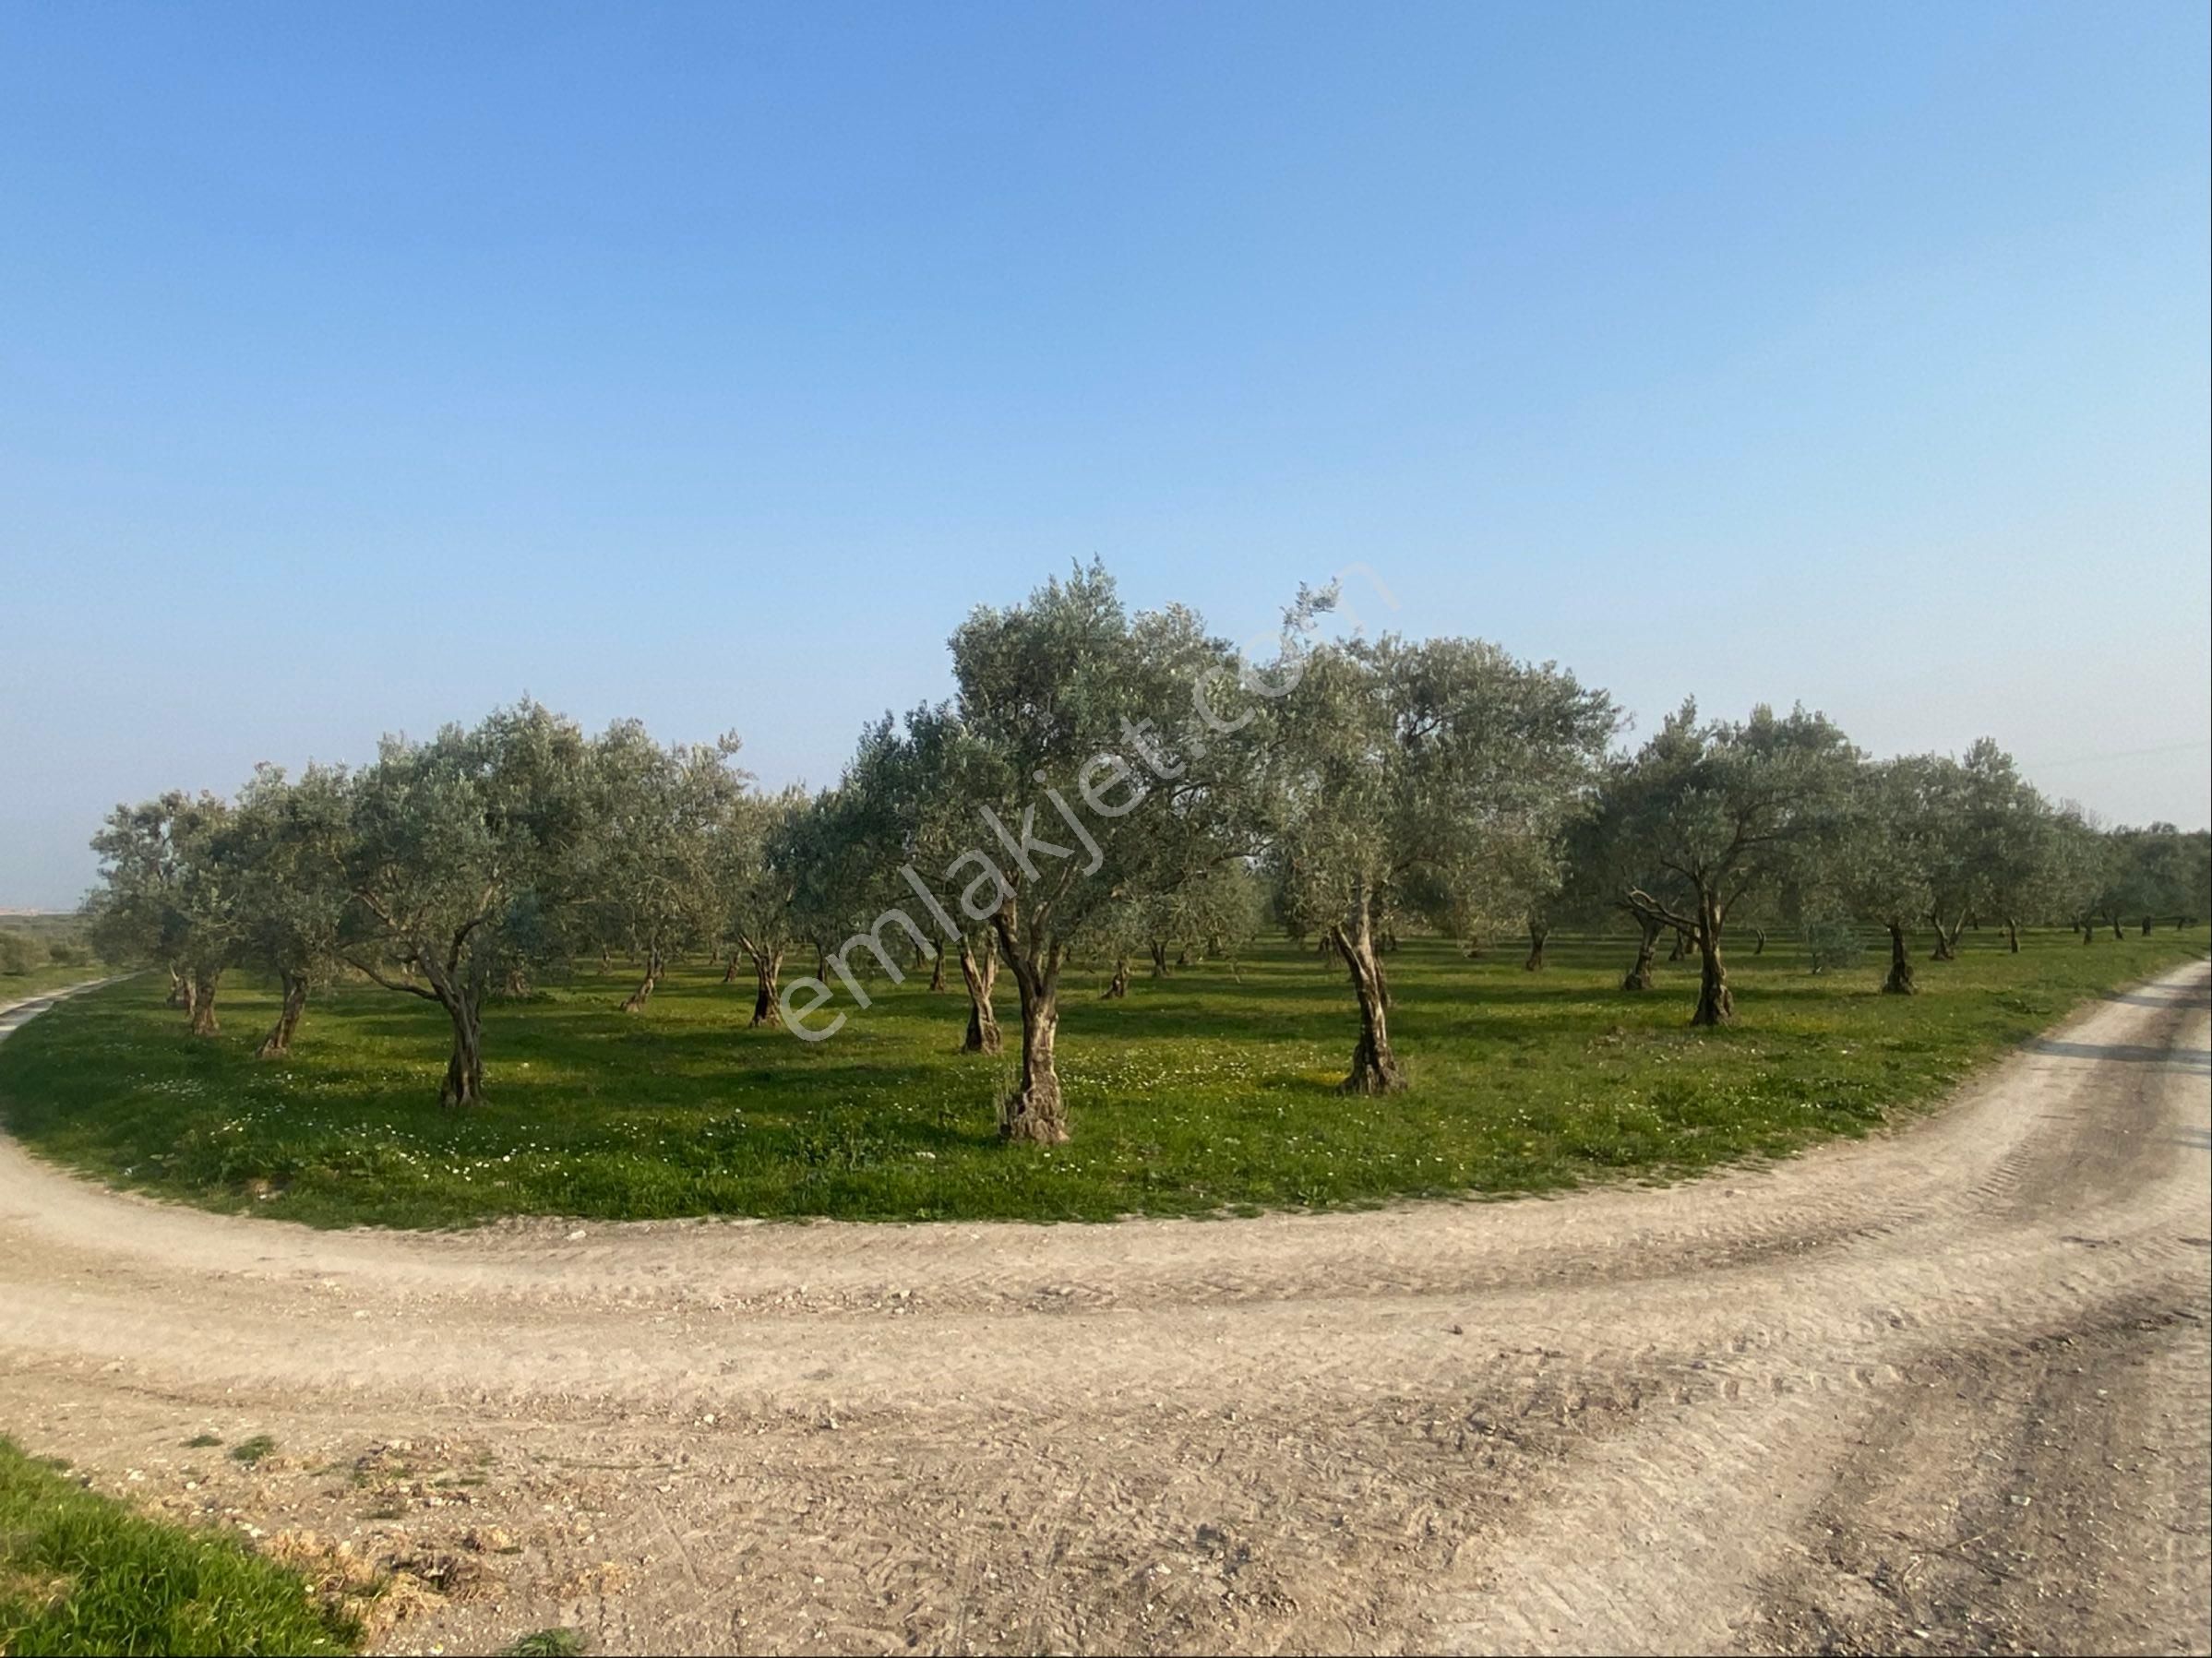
23, 986
1199, 1094
81, 1573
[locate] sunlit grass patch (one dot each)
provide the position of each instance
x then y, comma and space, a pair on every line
81, 1573
1203, 1093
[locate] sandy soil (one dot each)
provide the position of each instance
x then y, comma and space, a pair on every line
1948, 1391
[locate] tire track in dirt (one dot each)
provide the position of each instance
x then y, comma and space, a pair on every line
1783, 1407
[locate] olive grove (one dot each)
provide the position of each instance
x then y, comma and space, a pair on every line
1117, 788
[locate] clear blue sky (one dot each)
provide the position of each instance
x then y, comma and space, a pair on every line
364, 366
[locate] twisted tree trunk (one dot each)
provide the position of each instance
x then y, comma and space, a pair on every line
1537, 933
1758, 942
464, 1070
1159, 958
936, 971
729, 972
979, 972
767, 966
635, 1002
1374, 1067
1036, 1112
200, 1002
1715, 1004
2012, 934
1640, 976
278, 1043
2146, 926
1945, 942
1900, 980
1118, 987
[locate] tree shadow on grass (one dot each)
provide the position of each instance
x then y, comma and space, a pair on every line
2198, 1060
2151, 997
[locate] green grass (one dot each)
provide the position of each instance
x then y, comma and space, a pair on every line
250, 1451
38, 981
1197, 1095
545, 1643
81, 1573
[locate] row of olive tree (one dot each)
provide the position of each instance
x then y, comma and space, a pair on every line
445, 870
1781, 820
1101, 783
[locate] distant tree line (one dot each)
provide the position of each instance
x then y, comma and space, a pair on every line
1121, 787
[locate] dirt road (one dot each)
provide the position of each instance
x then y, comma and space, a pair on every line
1950, 1391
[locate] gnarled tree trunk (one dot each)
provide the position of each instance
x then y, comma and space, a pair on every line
2146, 926
635, 1002
1682, 945
979, 972
1374, 1067
1036, 1112
180, 991
464, 1070
1758, 942
1537, 933
278, 1043
729, 970
1640, 976
767, 966
1900, 980
1118, 987
1946, 942
1715, 1004
1159, 958
937, 970
2012, 934
200, 1002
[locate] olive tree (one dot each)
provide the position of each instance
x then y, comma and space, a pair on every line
654, 812
1728, 811
907, 802
2159, 872
1997, 846
283, 848
1063, 698
2076, 870
164, 897
464, 863
1609, 858
762, 849
1893, 838
1440, 774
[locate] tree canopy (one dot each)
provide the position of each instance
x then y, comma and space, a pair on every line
1117, 785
